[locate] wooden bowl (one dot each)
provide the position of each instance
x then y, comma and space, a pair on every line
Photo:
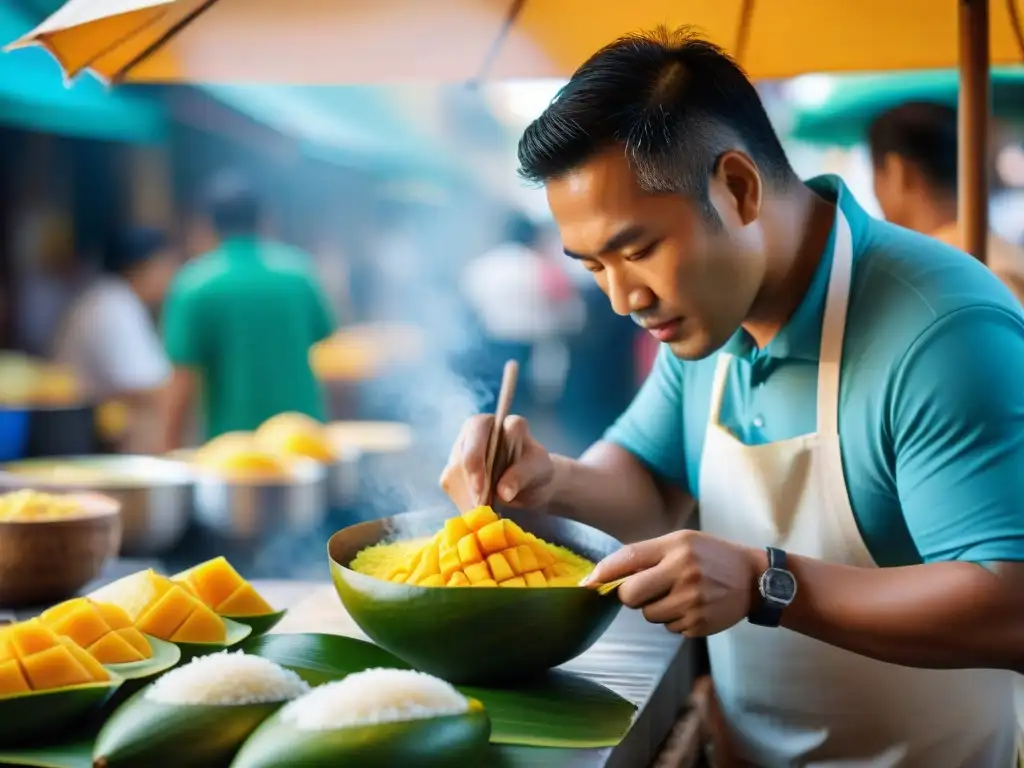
45, 561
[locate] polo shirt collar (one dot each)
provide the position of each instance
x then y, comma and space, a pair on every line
800, 337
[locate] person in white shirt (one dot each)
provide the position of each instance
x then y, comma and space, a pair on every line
109, 338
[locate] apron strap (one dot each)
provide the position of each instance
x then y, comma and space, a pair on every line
718, 387
833, 327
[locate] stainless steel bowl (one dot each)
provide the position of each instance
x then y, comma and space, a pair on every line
258, 510
343, 478
155, 494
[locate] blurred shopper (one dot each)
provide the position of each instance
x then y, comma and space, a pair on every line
914, 152
109, 339
239, 323
526, 305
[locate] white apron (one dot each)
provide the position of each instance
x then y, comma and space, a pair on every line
793, 701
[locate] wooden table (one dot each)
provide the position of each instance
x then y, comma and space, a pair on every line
639, 661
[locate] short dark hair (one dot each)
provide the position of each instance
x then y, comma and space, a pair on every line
233, 205
676, 101
924, 133
127, 249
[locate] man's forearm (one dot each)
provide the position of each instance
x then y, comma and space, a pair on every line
610, 489
940, 615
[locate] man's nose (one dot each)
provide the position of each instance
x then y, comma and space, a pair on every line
627, 296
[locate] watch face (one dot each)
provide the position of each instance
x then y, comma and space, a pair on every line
778, 585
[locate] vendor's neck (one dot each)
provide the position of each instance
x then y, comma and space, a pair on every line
797, 228
931, 214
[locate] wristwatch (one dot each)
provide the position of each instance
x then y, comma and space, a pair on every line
776, 588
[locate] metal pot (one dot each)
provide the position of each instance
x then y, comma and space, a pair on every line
253, 511
343, 478
155, 494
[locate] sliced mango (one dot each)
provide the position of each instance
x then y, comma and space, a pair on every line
37, 659
480, 549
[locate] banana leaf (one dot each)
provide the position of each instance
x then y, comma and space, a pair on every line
559, 710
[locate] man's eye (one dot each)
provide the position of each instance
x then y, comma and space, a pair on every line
643, 253
593, 267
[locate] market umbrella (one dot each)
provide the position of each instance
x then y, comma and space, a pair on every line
325, 41
331, 42
842, 112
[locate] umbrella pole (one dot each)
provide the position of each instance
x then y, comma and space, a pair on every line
974, 113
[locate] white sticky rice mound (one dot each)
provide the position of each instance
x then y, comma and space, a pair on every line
226, 679
372, 697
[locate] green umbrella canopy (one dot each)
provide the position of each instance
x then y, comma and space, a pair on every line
837, 110
33, 97
355, 126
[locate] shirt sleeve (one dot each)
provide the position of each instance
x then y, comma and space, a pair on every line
652, 426
322, 315
182, 326
126, 346
956, 411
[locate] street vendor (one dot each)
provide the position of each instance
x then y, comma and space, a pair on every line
240, 321
841, 396
914, 158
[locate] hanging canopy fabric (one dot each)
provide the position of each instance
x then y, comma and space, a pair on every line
33, 97
353, 126
839, 109
373, 41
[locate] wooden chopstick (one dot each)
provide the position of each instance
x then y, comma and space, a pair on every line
509, 378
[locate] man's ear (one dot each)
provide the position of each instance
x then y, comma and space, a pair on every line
736, 187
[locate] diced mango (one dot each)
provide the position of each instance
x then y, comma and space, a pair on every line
244, 601
478, 572
134, 594
213, 581
514, 534
479, 548
12, 679
500, 568
477, 518
136, 640
51, 615
458, 579
492, 537
32, 637
114, 649
535, 579
84, 625
486, 583
54, 668
167, 614
83, 657
115, 616
449, 560
454, 529
527, 558
202, 626
469, 550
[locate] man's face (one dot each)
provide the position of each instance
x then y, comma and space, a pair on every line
689, 282
889, 180
154, 277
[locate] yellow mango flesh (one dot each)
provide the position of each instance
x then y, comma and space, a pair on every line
237, 456
104, 630
476, 549
157, 606
296, 435
223, 590
35, 658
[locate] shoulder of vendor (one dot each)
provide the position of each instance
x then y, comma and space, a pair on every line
931, 404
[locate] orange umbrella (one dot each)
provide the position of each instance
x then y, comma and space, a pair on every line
335, 41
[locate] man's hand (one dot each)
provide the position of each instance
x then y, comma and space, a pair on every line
694, 584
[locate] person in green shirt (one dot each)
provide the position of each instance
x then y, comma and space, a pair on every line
239, 322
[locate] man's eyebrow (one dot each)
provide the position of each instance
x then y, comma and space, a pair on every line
616, 242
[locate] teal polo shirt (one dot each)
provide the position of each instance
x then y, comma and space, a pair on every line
244, 317
931, 418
